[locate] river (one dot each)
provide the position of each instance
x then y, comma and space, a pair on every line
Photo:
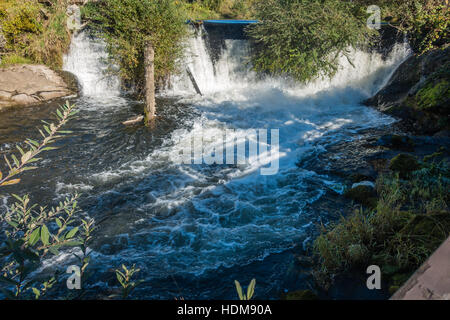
194, 228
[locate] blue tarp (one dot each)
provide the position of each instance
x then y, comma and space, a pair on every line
230, 21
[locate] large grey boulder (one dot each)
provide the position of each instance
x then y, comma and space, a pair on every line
30, 84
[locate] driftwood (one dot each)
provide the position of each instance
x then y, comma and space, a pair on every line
194, 83
132, 121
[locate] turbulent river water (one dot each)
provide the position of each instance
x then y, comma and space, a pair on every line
193, 229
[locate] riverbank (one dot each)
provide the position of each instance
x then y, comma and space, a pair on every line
401, 212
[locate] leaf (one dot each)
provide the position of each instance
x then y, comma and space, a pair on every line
20, 150
10, 182
26, 157
54, 251
1, 175
73, 243
239, 289
36, 292
58, 222
16, 162
71, 233
45, 235
34, 142
251, 289
34, 237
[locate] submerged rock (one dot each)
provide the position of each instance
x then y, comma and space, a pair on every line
31, 84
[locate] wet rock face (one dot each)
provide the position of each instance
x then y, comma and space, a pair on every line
409, 78
30, 84
419, 93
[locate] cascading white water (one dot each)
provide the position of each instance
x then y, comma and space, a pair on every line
87, 59
231, 75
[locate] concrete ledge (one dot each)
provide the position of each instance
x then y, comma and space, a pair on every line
432, 280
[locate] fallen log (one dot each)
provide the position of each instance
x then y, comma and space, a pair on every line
133, 121
194, 83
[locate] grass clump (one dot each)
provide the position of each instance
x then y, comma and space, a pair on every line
410, 221
13, 59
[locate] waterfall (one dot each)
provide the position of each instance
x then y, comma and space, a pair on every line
87, 60
231, 75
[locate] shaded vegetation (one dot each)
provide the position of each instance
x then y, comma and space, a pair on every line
410, 221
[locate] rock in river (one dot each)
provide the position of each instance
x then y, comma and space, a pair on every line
31, 84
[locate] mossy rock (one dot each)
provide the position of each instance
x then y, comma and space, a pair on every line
434, 96
404, 164
301, 295
364, 195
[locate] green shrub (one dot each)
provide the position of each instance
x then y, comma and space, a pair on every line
33, 232
305, 38
127, 25
35, 32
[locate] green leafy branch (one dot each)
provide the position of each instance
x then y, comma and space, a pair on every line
125, 280
50, 134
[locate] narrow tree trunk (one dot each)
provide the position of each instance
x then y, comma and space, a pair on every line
150, 105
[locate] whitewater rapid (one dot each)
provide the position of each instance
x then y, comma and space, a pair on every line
208, 221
